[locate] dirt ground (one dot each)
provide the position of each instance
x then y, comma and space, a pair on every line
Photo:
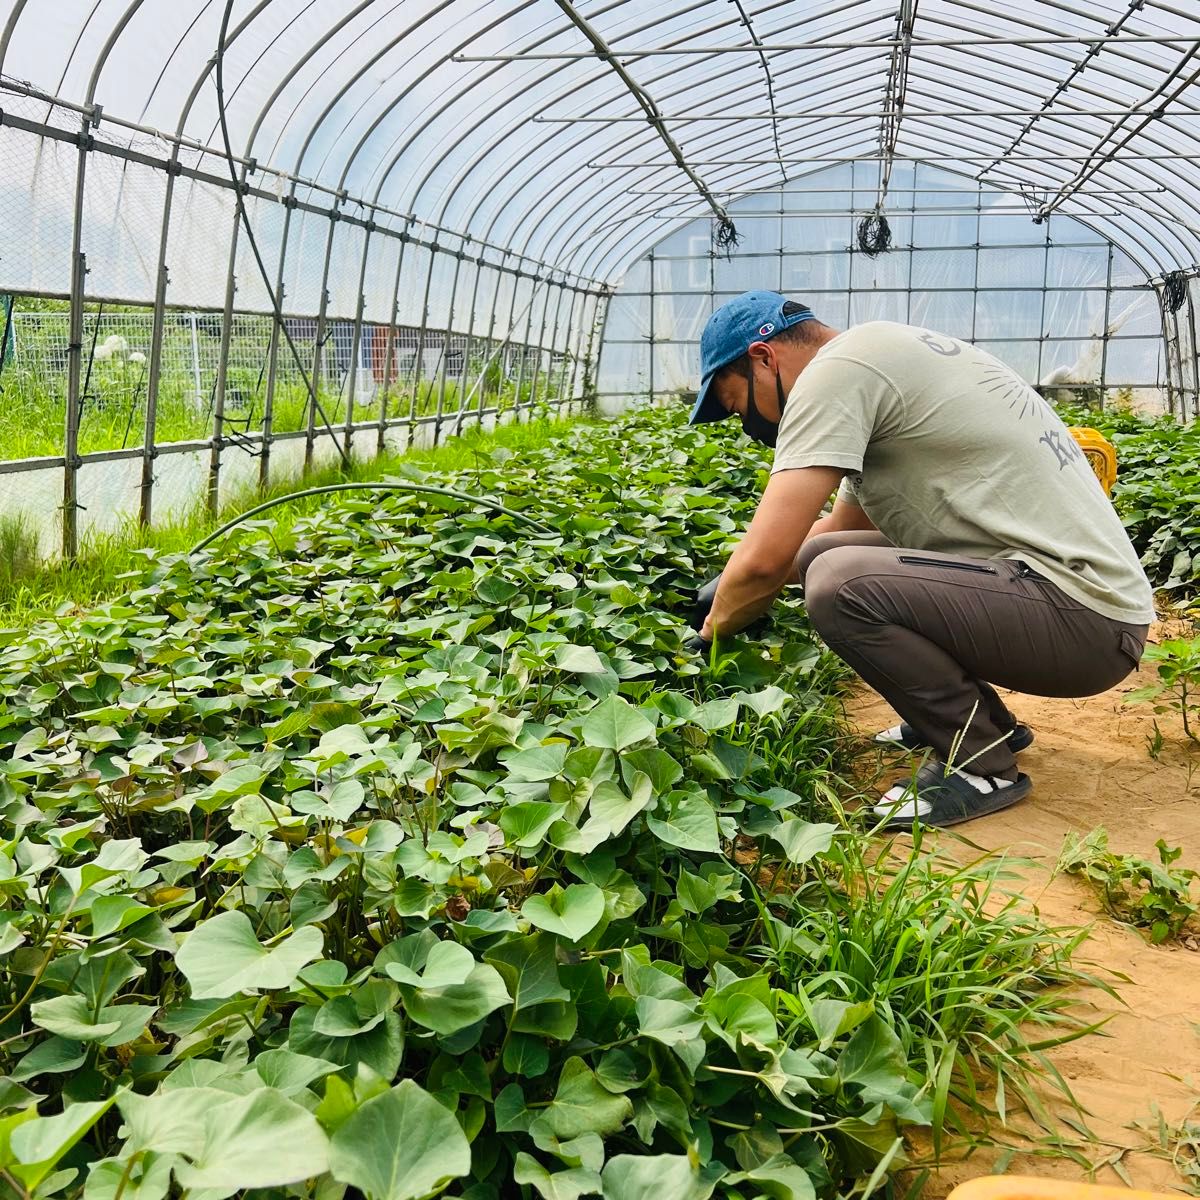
1090, 766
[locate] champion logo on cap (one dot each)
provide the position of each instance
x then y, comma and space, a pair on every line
766, 330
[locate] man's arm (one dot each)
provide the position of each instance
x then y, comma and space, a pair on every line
846, 516
764, 560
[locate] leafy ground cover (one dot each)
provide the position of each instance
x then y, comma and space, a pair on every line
1157, 491
30, 588
408, 850
1155, 896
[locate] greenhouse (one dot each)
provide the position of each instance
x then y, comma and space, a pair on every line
439, 753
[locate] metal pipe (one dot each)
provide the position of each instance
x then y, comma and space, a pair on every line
466, 359
651, 332
389, 351
525, 347
218, 431
791, 47
909, 113
930, 160
562, 291
567, 356
319, 340
445, 360
1107, 315
541, 343
356, 342
70, 511
835, 189
604, 52
463, 395
998, 210
418, 371
264, 462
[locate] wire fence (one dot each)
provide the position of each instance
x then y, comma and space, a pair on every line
164, 373
356, 373
379, 389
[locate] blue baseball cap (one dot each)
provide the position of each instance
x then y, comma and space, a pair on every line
729, 333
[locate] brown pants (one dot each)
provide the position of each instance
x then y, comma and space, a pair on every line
926, 631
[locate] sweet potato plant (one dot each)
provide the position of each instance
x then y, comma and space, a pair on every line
409, 852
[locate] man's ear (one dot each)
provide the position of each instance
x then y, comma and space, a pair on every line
762, 354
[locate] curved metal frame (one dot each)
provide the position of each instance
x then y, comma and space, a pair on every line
557, 211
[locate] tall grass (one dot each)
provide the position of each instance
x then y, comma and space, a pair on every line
31, 588
113, 416
976, 985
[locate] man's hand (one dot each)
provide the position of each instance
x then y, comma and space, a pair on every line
764, 561
704, 603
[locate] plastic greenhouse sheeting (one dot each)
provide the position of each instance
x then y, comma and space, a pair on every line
1064, 309
496, 118
447, 193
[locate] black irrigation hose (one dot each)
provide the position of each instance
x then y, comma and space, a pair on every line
1175, 290
477, 501
874, 234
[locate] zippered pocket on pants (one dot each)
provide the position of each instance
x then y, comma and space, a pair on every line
979, 568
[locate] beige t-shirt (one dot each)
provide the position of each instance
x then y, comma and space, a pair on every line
947, 450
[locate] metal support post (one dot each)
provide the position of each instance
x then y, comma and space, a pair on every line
1170, 342
580, 350
356, 341
525, 347
567, 356
548, 384
466, 361
975, 280
497, 352
541, 341
319, 341
1104, 331
71, 460
653, 306
154, 373
389, 351
417, 370
268, 429
599, 326
149, 449
1195, 355
70, 516
218, 429
506, 344
444, 364
197, 382
1041, 345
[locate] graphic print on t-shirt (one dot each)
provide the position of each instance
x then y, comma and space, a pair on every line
1007, 387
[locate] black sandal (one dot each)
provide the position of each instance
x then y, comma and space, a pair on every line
948, 799
1020, 738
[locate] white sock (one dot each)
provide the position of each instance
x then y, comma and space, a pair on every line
890, 735
890, 804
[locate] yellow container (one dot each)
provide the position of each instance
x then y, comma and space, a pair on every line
1100, 453
1023, 1187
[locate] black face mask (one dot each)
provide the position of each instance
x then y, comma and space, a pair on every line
754, 424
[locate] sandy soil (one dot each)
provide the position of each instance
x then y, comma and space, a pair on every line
1090, 766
